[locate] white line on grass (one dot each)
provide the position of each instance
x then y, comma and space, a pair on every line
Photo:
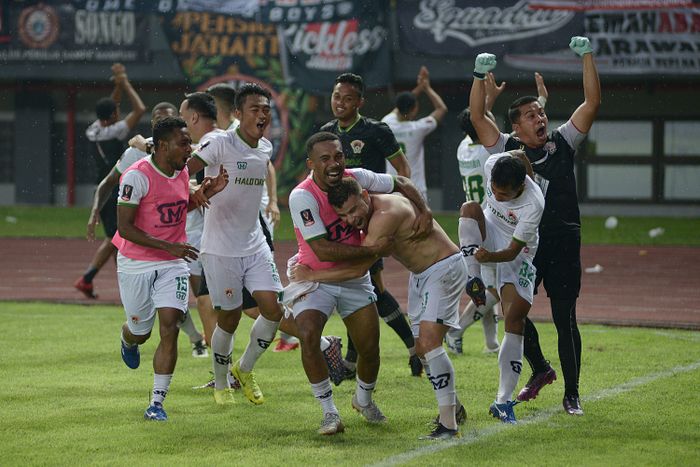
476, 436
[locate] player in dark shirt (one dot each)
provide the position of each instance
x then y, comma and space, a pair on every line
368, 143
558, 258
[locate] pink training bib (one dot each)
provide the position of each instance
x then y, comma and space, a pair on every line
162, 213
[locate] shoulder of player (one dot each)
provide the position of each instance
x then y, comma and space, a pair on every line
329, 126
392, 207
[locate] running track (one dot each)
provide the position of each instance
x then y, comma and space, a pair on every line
649, 286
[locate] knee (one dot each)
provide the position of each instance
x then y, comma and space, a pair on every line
470, 209
368, 350
273, 311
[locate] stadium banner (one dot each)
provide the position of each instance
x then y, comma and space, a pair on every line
73, 31
311, 11
214, 44
630, 41
629, 36
314, 54
462, 28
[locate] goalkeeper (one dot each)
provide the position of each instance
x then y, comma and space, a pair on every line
558, 258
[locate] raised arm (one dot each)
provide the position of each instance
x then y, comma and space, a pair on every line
440, 109
485, 128
137, 106
492, 90
585, 114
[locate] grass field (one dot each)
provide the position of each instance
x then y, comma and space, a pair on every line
67, 399
22, 221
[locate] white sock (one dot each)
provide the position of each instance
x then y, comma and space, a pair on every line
510, 364
473, 313
363, 392
261, 335
221, 348
442, 377
426, 367
323, 392
161, 384
469, 242
188, 326
324, 344
490, 324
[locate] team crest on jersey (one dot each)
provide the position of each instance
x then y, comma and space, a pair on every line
127, 192
307, 217
550, 147
242, 165
357, 146
512, 217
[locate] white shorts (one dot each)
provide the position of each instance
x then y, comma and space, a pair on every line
142, 294
488, 275
346, 297
433, 295
520, 272
226, 277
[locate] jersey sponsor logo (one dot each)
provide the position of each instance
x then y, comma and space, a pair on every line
242, 165
172, 213
550, 147
307, 217
500, 215
516, 366
440, 381
222, 359
263, 344
357, 146
469, 250
339, 231
127, 191
250, 181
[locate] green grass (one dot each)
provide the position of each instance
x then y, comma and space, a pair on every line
68, 399
70, 222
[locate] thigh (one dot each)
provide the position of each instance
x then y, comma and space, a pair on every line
135, 293
323, 299
435, 293
363, 327
521, 273
355, 294
260, 272
224, 276
562, 275
171, 288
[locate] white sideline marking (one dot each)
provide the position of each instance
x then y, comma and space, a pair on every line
475, 436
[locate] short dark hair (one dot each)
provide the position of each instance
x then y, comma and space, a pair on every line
319, 137
508, 172
164, 128
465, 123
202, 103
405, 101
104, 108
353, 79
340, 193
225, 96
163, 106
514, 109
250, 89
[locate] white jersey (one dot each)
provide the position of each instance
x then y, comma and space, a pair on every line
129, 157
471, 158
410, 135
231, 226
265, 200
518, 218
